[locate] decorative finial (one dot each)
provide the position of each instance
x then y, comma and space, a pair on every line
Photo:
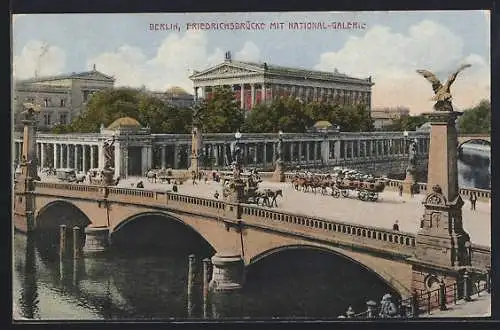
93, 67
227, 56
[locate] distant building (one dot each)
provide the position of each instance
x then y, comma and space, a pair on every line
175, 96
254, 83
383, 117
61, 98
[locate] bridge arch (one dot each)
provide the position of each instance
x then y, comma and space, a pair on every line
60, 212
387, 278
166, 219
470, 139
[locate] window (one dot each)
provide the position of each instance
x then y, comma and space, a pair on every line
63, 118
62, 103
46, 102
47, 119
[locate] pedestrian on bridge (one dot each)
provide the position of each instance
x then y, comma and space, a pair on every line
395, 226
216, 195
400, 187
473, 199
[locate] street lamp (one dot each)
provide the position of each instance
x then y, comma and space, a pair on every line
279, 174
405, 134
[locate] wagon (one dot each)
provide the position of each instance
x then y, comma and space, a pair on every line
365, 190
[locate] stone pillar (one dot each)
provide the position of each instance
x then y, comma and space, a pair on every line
337, 149
68, 155
352, 149
84, 158
325, 151
42, 155
162, 155
61, 156
146, 158
96, 240
441, 242
242, 96
256, 149
176, 156
263, 93
315, 151
75, 155
264, 156
228, 272
55, 154
215, 148
92, 160
292, 150
299, 157
100, 151
118, 159
308, 155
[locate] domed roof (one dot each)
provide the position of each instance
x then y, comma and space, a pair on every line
126, 122
323, 124
176, 91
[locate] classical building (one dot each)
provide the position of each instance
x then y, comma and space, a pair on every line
176, 96
254, 83
383, 117
61, 98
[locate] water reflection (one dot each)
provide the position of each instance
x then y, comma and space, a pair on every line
474, 166
300, 283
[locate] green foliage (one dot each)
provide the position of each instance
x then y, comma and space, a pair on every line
221, 113
477, 119
407, 123
291, 115
108, 105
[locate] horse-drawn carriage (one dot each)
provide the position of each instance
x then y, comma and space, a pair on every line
366, 190
165, 176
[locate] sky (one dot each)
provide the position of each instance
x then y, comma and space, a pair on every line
389, 47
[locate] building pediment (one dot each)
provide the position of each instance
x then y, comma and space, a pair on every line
225, 70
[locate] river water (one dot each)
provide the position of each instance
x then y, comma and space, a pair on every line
133, 285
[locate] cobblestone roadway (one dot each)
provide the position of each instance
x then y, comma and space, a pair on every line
383, 213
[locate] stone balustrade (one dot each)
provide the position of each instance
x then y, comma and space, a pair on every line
316, 228
464, 192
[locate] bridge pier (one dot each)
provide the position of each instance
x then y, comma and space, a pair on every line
228, 272
96, 240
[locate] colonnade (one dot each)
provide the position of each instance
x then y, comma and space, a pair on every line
165, 151
65, 155
260, 92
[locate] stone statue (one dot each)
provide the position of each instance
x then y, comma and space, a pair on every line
108, 152
412, 155
279, 149
442, 94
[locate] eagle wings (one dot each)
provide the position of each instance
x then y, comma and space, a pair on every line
441, 92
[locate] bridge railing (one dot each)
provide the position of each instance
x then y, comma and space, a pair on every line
66, 189
341, 232
167, 199
427, 301
464, 192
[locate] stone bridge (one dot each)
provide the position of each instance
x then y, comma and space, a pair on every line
471, 137
249, 231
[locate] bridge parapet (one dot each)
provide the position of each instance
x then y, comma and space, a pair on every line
464, 192
63, 189
339, 232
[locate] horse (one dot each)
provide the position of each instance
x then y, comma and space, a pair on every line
269, 196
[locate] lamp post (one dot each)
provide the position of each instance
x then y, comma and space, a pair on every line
237, 159
235, 191
279, 174
195, 140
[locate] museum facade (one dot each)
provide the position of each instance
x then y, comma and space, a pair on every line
255, 83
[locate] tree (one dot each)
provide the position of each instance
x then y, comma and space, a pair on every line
221, 113
477, 119
108, 105
407, 123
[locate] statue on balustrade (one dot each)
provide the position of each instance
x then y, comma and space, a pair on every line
387, 307
108, 152
412, 156
442, 94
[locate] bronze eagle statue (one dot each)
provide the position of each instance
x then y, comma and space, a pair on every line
442, 94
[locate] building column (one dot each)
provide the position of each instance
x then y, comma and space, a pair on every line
308, 156
336, 149
365, 148
54, 154
176, 156
263, 93
61, 160
252, 95
300, 153
352, 149
77, 166
92, 161
291, 151
42, 155
84, 158
264, 156
315, 151
162, 155
242, 96
215, 149
146, 158
346, 143
67, 155
325, 151
118, 159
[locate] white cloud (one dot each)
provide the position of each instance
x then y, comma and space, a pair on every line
250, 52
392, 58
38, 56
176, 57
